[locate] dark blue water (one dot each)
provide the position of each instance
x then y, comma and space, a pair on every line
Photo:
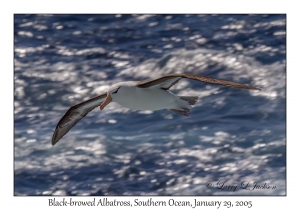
232, 134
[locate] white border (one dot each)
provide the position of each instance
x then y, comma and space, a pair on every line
8, 8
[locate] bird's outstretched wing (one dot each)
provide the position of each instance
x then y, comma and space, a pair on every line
168, 81
74, 114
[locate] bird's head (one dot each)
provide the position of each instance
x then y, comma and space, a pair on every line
111, 93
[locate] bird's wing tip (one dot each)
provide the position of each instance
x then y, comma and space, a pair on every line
54, 138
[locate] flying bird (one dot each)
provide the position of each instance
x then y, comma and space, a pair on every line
140, 95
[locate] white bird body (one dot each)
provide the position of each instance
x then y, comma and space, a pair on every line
133, 97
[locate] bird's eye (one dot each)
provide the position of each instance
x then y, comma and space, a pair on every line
116, 90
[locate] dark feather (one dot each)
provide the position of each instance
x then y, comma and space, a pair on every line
73, 115
206, 79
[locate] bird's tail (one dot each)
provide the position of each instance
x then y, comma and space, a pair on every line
191, 99
185, 107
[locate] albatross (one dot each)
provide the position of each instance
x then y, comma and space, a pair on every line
140, 95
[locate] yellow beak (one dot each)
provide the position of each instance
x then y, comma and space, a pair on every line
107, 100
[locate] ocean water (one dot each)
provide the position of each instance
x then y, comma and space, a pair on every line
232, 136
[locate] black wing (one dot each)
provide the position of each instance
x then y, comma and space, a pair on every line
168, 81
73, 115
